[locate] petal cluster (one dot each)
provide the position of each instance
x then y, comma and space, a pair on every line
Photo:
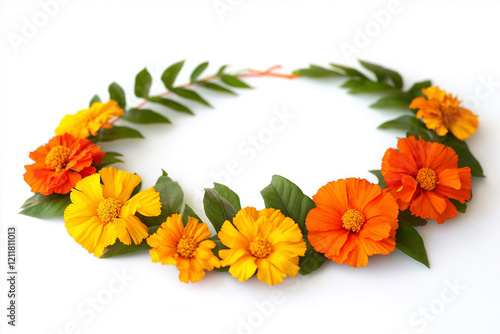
424, 176
61, 163
353, 219
186, 247
99, 214
264, 241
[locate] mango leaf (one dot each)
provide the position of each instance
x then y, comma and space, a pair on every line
168, 77
413, 220
171, 104
143, 83
144, 116
218, 246
198, 71
357, 87
397, 100
410, 242
379, 176
465, 157
119, 248
215, 87
315, 71
311, 261
228, 194
217, 208
45, 206
350, 72
118, 94
116, 132
109, 159
383, 74
94, 99
189, 212
416, 89
233, 81
191, 95
284, 195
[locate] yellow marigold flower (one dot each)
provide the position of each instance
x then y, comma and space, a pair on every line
88, 121
265, 241
442, 112
101, 213
185, 247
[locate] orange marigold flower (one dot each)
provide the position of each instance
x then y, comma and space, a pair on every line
88, 121
61, 163
424, 176
353, 219
442, 112
188, 247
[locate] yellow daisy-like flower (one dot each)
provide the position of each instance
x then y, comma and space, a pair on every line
442, 112
101, 213
88, 121
185, 247
265, 241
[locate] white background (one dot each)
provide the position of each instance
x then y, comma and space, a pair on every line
86, 45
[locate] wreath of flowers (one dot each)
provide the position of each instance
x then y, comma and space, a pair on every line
428, 176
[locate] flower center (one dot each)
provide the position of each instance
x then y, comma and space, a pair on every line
260, 247
186, 247
109, 209
57, 158
353, 220
426, 178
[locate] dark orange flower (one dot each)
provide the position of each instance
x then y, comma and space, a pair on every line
61, 163
442, 112
353, 219
424, 176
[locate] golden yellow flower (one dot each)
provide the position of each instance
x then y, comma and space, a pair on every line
101, 213
442, 112
185, 247
265, 241
88, 121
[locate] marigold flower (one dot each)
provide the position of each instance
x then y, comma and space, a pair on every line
61, 163
442, 112
188, 247
265, 241
88, 121
101, 213
424, 176
353, 219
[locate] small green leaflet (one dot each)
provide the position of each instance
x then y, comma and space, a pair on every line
143, 83
233, 81
144, 116
191, 95
118, 94
198, 71
170, 74
171, 104
94, 99
116, 132
215, 87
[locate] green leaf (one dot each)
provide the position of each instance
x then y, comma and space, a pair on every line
116, 93
109, 159
383, 74
350, 72
410, 242
218, 246
405, 122
45, 206
416, 89
311, 261
284, 195
217, 208
221, 70
397, 100
168, 77
212, 86
136, 190
380, 177
315, 71
116, 132
171, 195
198, 71
94, 99
413, 220
465, 157
119, 248
144, 116
189, 212
228, 194
171, 104
233, 81
460, 207
143, 83
357, 86
191, 95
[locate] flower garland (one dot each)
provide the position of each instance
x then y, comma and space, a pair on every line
428, 176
